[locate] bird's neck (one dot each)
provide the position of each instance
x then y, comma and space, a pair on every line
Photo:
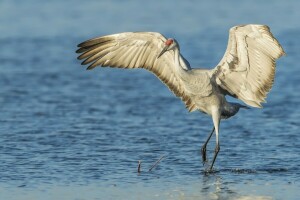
179, 67
177, 60
177, 54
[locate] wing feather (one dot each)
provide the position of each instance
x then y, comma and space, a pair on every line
247, 68
136, 50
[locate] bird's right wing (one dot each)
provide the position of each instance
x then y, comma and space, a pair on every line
247, 68
136, 50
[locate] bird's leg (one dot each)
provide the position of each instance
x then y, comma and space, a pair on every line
216, 120
203, 149
217, 149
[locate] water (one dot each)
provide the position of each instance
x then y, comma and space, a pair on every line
67, 133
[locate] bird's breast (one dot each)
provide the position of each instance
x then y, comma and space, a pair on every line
206, 104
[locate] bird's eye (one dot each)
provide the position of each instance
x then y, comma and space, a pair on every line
169, 42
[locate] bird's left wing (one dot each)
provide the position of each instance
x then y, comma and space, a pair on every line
247, 69
136, 50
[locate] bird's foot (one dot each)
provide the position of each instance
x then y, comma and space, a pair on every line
209, 170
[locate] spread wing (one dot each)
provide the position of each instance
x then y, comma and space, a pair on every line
247, 69
136, 50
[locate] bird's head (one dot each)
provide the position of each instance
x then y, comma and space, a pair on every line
169, 44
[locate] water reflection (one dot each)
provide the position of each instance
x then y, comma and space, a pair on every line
217, 188
214, 188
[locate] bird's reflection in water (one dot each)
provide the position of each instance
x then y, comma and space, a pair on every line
215, 188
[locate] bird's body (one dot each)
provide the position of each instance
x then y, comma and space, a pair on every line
246, 70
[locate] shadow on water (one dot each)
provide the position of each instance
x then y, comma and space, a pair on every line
247, 171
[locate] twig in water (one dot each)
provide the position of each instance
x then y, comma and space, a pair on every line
139, 166
156, 163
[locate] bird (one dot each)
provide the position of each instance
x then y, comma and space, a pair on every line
245, 72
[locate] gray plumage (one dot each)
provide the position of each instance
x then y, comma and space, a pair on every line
245, 72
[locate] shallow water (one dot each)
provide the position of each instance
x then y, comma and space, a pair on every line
67, 133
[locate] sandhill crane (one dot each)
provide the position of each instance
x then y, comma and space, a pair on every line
245, 72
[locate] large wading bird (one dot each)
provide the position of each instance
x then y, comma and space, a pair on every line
245, 72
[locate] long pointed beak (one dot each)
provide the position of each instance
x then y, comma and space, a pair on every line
163, 51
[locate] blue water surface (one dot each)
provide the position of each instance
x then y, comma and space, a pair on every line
68, 133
